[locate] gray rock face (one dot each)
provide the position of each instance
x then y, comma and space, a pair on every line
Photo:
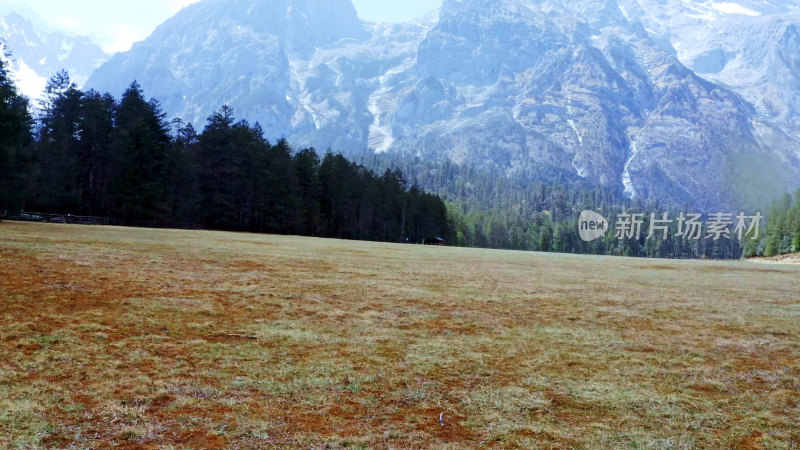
542, 89
37, 55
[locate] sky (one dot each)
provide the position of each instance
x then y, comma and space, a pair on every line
115, 25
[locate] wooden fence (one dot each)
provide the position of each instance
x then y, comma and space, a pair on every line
56, 218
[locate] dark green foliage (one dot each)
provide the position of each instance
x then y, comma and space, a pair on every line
782, 230
354, 202
97, 172
15, 141
183, 183
96, 156
509, 211
58, 149
226, 164
141, 142
74, 167
309, 190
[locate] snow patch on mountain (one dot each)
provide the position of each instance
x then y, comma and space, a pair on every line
30, 83
380, 104
734, 8
37, 55
627, 181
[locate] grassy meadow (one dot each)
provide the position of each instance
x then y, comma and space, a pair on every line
141, 338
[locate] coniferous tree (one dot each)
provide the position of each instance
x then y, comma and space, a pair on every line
391, 206
140, 143
96, 162
278, 188
336, 178
15, 140
218, 172
182, 169
98, 156
309, 188
58, 151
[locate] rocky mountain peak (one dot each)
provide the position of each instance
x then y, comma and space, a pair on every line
540, 89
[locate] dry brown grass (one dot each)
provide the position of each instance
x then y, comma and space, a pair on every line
791, 258
158, 338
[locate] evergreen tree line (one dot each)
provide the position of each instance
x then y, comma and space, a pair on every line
16, 124
539, 212
89, 154
782, 230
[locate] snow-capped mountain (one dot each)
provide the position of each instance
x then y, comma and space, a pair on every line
751, 46
37, 55
539, 88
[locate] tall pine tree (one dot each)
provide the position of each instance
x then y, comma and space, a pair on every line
15, 139
140, 143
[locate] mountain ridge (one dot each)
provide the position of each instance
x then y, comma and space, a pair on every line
519, 86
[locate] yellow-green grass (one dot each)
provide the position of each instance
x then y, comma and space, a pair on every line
191, 339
